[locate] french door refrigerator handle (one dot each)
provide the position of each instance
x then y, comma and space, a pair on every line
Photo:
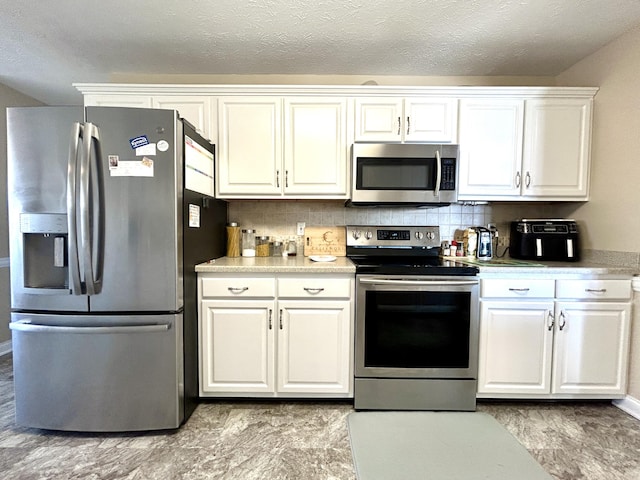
86, 209
72, 228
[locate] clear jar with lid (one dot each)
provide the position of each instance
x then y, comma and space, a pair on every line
248, 243
262, 246
292, 247
278, 248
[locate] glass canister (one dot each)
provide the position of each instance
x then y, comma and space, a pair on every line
262, 246
248, 243
292, 248
277, 248
233, 240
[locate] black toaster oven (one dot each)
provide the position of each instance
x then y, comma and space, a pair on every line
545, 239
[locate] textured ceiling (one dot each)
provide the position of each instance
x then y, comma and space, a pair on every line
47, 45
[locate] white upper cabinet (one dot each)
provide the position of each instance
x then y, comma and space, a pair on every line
249, 146
490, 148
294, 147
196, 109
555, 160
525, 149
392, 119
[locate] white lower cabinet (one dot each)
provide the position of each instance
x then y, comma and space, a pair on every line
554, 338
276, 336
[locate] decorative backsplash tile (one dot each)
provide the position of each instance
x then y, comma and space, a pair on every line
278, 218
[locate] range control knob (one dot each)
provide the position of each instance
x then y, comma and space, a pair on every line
368, 235
356, 234
420, 235
431, 235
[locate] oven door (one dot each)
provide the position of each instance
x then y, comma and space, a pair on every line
416, 327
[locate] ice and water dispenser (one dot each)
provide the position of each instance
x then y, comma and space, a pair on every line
44, 250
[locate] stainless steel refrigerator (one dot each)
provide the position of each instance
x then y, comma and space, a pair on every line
104, 238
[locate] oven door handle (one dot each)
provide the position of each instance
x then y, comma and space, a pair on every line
385, 281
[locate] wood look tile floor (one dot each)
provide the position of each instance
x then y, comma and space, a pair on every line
299, 440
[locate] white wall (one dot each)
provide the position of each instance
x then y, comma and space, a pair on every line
612, 214
8, 98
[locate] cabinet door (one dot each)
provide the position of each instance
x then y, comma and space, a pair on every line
316, 151
431, 120
197, 110
516, 341
250, 146
556, 148
314, 347
591, 348
237, 346
379, 119
131, 101
490, 148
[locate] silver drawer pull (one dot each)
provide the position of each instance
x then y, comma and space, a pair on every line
313, 291
518, 289
595, 290
238, 289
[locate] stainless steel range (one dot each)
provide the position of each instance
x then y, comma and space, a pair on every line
416, 321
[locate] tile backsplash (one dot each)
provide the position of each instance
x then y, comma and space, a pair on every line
279, 217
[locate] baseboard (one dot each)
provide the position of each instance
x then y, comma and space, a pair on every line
630, 405
5, 347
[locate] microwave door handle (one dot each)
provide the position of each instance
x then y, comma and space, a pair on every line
77, 132
436, 191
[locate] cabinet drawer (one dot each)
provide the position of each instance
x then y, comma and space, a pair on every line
234, 287
302, 287
515, 288
594, 289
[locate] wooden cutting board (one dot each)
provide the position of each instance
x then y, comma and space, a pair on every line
325, 241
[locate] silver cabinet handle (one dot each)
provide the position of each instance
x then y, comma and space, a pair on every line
527, 180
399, 120
408, 124
563, 320
313, 291
518, 179
286, 178
280, 319
552, 322
519, 289
278, 178
595, 290
270, 319
238, 289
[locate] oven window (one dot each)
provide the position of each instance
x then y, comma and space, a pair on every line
417, 329
395, 173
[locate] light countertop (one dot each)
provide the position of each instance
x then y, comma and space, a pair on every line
297, 264
301, 264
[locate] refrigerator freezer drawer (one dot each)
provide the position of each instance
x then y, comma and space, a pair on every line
98, 374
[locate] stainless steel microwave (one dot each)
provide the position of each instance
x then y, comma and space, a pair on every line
404, 174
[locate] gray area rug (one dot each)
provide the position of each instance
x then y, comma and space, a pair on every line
437, 446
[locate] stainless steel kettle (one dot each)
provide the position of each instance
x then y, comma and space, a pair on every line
485, 244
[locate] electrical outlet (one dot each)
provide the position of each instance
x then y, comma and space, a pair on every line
300, 228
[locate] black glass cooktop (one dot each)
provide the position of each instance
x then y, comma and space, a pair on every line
411, 265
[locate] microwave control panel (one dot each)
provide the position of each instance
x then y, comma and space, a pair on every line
448, 179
